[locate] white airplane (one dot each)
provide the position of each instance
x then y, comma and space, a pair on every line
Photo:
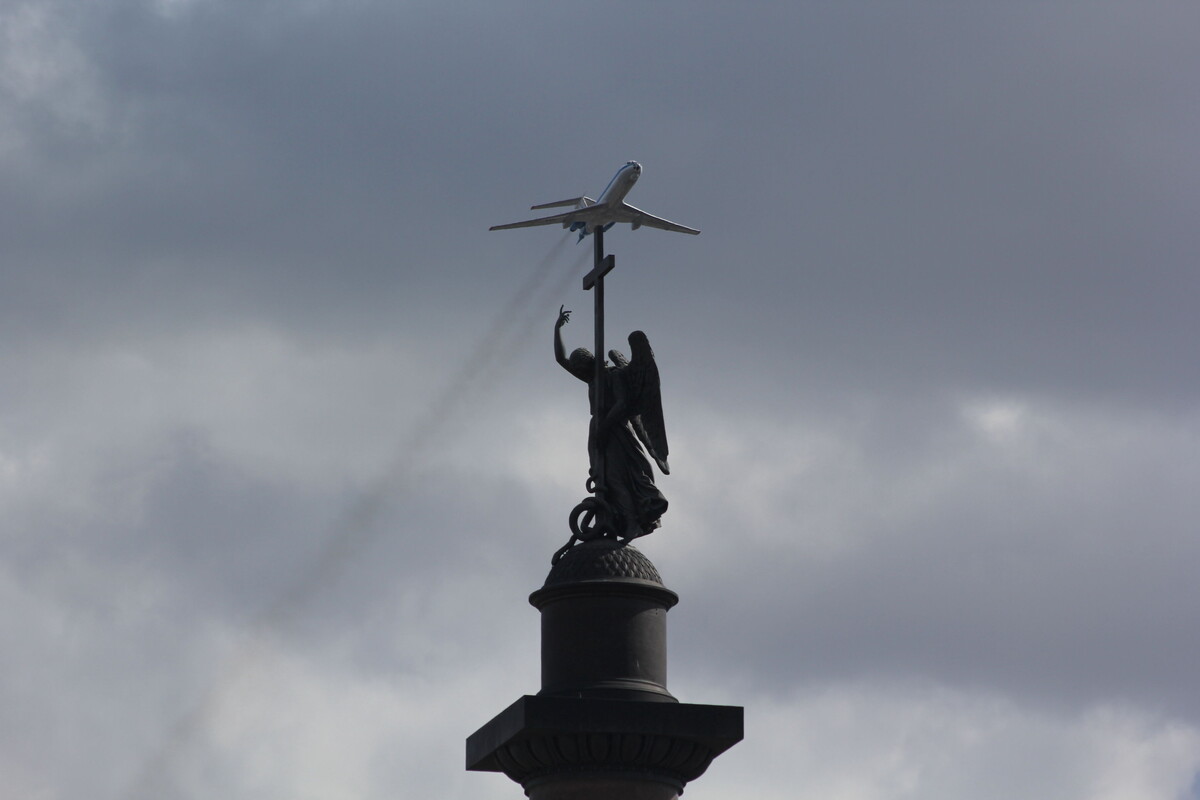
591, 215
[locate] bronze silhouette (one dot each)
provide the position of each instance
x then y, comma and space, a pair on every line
627, 502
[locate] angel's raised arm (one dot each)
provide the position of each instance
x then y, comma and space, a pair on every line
560, 352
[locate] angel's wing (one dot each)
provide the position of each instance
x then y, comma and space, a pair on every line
646, 399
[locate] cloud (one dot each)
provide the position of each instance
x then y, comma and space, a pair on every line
283, 449
850, 740
1052, 563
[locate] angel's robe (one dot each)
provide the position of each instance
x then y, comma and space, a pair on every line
637, 503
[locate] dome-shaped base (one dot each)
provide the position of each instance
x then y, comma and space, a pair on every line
602, 559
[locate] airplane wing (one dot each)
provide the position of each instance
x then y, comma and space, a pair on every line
637, 217
600, 214
590, 214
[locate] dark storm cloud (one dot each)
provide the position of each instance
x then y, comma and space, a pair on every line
985, 216
1010, 206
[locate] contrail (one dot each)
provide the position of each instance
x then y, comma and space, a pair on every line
352, 529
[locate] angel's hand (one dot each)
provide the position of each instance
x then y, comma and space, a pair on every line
563, 317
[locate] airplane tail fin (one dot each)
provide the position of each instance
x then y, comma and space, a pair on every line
577, 202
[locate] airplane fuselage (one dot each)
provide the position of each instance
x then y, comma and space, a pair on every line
621, 183
613, 194
589, 216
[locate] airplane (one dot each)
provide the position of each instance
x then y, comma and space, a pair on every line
591, 215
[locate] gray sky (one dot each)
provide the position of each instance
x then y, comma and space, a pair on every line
283, 448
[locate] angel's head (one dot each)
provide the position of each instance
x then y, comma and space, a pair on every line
581, 363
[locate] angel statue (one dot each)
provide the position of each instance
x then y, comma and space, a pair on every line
631, 417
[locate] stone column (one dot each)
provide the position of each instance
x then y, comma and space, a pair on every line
604, 726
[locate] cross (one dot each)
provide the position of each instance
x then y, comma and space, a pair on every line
601, 266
